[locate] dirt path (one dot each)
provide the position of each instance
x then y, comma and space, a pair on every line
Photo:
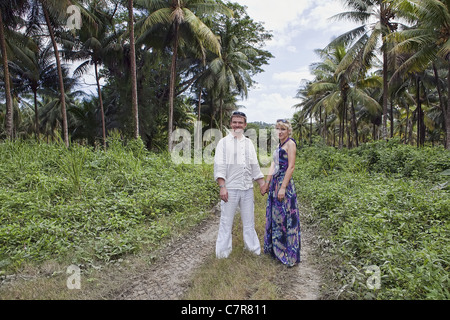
169, 277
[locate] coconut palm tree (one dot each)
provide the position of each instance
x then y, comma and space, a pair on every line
376, 17
35, 70
428, 39
96, 45
53, 14
182, 18
54, 10
134, 97
229, 73
9, 12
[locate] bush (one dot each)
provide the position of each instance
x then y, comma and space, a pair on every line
90, 205
379, 207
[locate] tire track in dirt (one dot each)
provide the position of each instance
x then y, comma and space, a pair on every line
170, 276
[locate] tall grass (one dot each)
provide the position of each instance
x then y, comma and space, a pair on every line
89, 206
385, 205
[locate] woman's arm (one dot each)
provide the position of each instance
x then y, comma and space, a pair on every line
291, 151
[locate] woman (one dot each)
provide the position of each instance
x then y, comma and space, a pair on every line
282, 237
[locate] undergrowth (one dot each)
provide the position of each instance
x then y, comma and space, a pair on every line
384, 210
86, 206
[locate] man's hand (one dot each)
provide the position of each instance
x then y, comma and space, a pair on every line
263, 188
224, 194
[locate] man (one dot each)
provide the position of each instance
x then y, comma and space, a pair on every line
235, 168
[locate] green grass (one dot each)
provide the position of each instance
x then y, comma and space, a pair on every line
381, 205
85, 206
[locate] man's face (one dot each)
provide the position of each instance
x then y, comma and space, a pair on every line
238, 125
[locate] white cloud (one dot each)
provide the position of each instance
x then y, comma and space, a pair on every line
268, 107
275, 14
292, 49
293, 77
289, 18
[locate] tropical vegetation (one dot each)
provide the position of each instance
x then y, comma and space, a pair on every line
382, 215
87, 177
176, 62
388, 77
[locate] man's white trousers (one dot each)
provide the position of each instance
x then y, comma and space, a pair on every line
244, 200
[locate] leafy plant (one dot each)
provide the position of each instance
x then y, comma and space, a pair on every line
89, 206
385, 214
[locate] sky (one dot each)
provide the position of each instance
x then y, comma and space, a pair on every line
299, 27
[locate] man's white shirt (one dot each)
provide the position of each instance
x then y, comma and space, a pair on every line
236, 162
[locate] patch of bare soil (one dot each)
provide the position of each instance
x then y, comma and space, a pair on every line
170, 276
303, 281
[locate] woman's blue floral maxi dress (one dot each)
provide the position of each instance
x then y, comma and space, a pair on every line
282, 237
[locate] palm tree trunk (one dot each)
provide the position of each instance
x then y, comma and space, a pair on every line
199, 104
349, 136
134, 98
9, 105
36, 114
391, 110
447, 119
173, 74
100, 99
65, 131
407, 125
341, 131
354, 126
213, 114
385, 72
221, 114
385, 93
441, 100
420, 118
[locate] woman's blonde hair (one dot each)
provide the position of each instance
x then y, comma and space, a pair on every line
285, 124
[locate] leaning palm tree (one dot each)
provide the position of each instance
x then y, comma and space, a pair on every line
182, 17
54, 10
54, 15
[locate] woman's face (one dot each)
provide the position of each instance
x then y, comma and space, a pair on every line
282, 132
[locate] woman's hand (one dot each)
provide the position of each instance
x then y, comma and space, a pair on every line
281, 193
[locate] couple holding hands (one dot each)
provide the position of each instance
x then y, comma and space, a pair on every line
235, 168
